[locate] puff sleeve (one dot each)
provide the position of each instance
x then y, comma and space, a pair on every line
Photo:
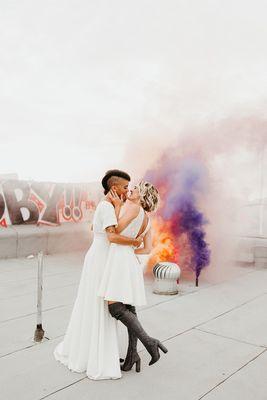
108, 215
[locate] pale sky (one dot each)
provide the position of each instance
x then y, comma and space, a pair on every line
80, 80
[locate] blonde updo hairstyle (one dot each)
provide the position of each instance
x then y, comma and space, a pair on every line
149, 196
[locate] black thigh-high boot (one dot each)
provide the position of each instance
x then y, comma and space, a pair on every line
119, 311
132, 356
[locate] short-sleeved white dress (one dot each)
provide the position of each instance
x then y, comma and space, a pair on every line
123, 278
91, 343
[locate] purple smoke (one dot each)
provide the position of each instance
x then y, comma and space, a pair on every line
183, 181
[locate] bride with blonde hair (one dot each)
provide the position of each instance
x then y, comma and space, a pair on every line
111, 269
122, 283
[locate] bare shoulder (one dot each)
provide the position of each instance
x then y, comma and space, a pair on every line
130, 209
134, 209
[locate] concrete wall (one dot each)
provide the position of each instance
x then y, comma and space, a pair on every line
48, 216
46, 203
23, 240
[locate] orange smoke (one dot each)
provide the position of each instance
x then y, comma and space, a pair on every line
164, 247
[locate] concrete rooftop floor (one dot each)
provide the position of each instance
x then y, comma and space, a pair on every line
216, 335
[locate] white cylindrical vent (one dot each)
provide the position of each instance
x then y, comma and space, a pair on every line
166, 276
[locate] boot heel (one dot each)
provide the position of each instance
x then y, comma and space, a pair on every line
138, 365
163, 348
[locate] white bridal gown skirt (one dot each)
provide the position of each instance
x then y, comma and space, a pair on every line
91, 343
123, 278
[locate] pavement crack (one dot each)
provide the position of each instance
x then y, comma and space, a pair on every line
232, 374
34, 291
33, 313
231, 309
59, 390
231, 338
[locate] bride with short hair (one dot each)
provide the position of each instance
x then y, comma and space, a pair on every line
90, 343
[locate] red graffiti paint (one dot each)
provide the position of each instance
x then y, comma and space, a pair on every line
3, 223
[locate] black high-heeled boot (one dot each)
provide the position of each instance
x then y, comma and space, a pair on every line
132, 356
119, 311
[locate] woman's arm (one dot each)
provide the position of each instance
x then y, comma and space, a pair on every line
114, 237
147, 244
130, 213
117, 209
127, 217
116, 201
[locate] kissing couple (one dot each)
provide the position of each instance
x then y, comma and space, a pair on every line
112, 283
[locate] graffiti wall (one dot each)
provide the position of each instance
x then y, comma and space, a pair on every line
49, 203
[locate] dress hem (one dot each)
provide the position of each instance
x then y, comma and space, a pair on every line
124, 301
59, 360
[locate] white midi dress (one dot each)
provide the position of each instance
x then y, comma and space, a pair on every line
123, 278
91, 343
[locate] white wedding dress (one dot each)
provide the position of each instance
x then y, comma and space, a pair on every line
123, 278
90, 343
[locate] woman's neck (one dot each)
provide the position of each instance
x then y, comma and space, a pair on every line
107, 198
135, 201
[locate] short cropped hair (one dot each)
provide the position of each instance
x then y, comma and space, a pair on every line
107, 182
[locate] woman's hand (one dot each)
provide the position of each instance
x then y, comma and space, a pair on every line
115, 199
138, 241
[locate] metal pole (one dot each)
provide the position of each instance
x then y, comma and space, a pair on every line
262, 153
39, 332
